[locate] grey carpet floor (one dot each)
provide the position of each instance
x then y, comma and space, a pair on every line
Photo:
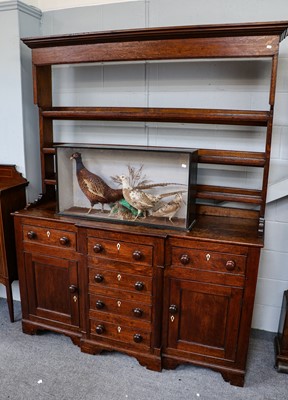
48, 366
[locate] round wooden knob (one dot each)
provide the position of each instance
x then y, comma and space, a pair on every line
173, 309
99, 305
230, 265
100, 329
73, 289
139, 286
64, 241
137, 255
98, 248
31, 235
98, 278
137, 312
184, 259
137, 338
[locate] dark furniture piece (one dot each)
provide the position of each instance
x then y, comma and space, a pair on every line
12, 198
281, 340
165, 297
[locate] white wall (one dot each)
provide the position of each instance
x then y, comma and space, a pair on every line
46, 5
19, 141
153, 84
10, 82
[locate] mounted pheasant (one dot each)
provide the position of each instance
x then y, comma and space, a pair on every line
97, 190
140, 200
168, 210
93, 186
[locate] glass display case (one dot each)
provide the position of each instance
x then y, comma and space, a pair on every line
141, 185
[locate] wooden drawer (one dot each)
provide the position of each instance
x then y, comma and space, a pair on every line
119, 250
120, 333
101, 279
207, 260
135, 310
49, 237
117, 265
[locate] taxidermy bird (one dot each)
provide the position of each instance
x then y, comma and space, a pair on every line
96, 189
169, 209
140, 200
93, 186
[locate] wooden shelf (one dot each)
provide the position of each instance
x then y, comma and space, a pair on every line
48, 150
219, 193
206, 156
244, 158
180, 115
221, 30
50, 182
186, 42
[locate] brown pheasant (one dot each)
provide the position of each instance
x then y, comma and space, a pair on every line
93, 186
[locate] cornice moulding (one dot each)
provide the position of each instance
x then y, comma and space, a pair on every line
22, 7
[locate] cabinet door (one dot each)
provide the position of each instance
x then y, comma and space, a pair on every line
204, 318
52, 284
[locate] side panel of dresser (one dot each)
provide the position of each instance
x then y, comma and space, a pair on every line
124, 302
12, 198
209, 295
49, 277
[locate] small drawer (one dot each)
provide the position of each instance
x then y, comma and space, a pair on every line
120, 333
49, 236
116, 265
119, 250
115, 279
136, 310
208, 260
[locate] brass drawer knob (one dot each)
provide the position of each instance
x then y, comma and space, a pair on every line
137, 312
73, 289
184, 259
139, 286
98, 278
230, 265
137, 338
100, 329
64, 241
31, 235
98, 248
99, 305
137, 255
173, 309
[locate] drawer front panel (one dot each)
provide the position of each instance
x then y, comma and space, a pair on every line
127, 252
137, 284
137, 269
135, 310
120, 333
209, 261
49, 236
120, 293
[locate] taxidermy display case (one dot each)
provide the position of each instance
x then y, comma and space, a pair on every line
152, 186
